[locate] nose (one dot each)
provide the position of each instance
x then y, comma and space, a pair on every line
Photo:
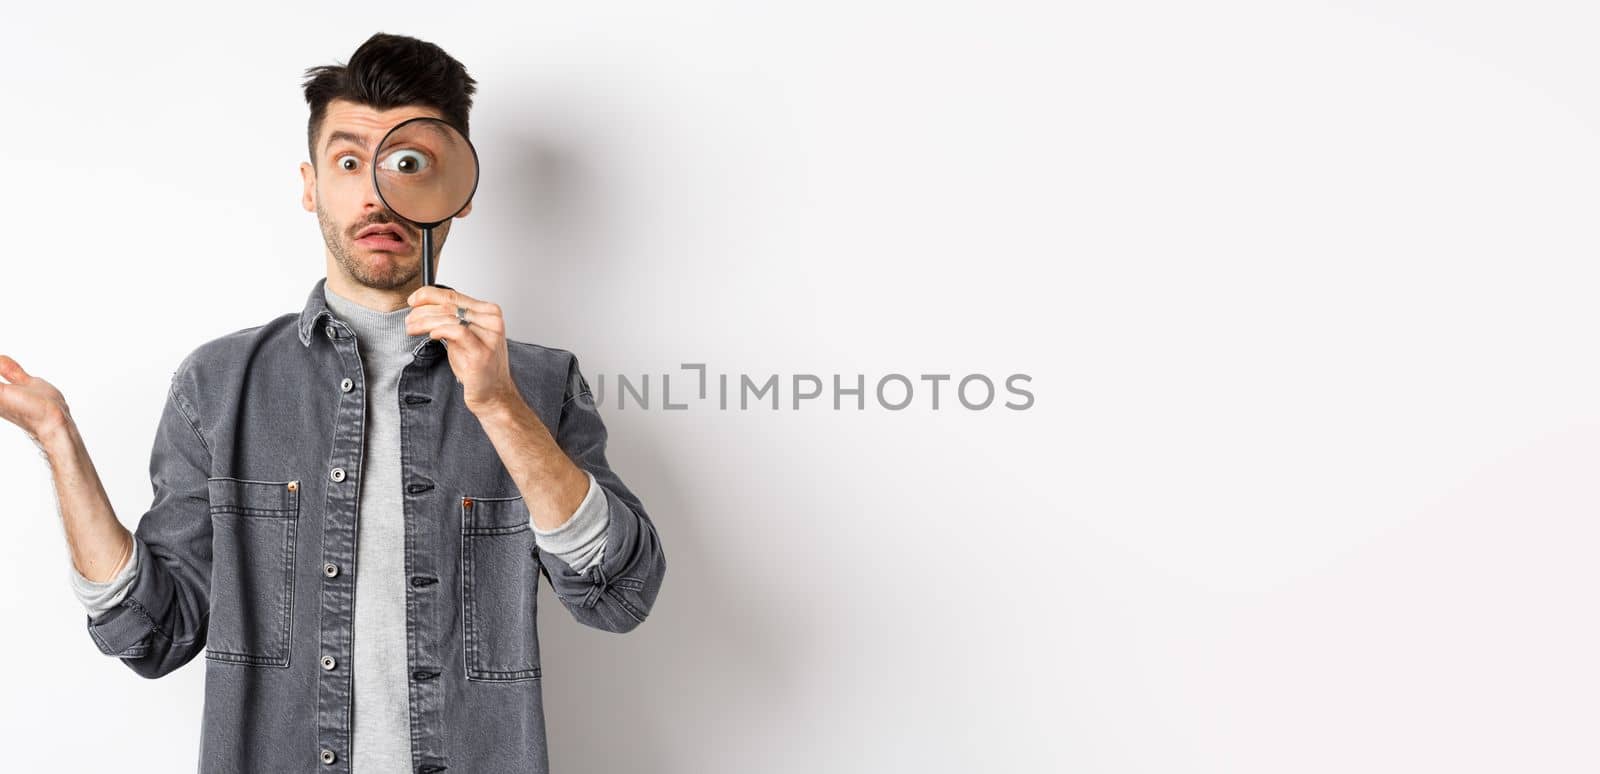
369, 193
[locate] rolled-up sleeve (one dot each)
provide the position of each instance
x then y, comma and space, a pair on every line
98, 597
581, 540
159, 624
617, 592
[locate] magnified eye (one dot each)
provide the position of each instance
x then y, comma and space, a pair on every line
407, 162
347, 165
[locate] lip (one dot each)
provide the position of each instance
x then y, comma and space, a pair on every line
370, 241
383, 244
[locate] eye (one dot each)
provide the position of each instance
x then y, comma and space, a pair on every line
347, 166
405, 161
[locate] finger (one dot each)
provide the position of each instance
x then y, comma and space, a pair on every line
459, 338
431, 299
429, 316
450, 297
11, 370
490, 339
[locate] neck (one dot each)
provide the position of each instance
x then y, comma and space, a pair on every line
369, 298
378, 330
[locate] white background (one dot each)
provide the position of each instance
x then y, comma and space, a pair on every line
1305, 289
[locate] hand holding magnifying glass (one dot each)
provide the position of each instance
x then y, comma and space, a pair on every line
426, 174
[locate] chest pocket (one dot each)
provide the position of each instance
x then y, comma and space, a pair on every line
499, 589
254, 526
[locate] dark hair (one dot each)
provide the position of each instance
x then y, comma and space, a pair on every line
389, 71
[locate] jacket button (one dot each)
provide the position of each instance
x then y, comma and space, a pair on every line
330, 569
346, 384
337, 474
327, 662
327, 756
328, 329
294, 486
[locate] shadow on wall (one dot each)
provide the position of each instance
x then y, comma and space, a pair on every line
705, 654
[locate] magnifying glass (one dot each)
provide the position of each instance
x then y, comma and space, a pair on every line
426, 173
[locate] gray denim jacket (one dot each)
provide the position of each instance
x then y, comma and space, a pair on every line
248, 551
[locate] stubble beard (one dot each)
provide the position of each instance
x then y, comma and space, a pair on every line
393, 273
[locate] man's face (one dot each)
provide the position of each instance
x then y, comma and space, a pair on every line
339, 189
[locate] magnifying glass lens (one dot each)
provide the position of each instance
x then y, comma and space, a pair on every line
425, 170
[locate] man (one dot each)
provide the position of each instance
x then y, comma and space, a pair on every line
354, 502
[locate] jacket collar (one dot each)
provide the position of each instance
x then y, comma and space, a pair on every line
316, 308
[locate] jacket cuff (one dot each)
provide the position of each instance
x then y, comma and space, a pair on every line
123, 631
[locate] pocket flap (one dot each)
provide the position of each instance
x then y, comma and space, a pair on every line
490, 515
254, 498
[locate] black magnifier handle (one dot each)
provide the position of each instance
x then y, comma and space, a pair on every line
427, 255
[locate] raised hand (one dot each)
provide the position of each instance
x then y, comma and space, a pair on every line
30, 403
476, 351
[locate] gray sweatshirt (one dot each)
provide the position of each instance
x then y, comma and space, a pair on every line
382, 736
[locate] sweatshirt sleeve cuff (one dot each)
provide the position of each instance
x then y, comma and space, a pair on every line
99, 596
581, 540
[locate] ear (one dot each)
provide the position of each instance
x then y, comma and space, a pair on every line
308, 179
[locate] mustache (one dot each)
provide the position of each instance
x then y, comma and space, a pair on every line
384, 221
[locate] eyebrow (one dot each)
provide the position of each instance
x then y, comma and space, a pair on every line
342, 135
437, 131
